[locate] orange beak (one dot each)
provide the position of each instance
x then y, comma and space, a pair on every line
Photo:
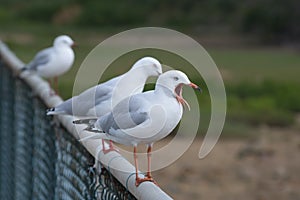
196, 87
74, 45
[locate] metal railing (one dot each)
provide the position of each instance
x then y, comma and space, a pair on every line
41, 157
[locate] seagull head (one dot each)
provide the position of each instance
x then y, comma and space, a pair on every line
63, 40
150, 66
174, 80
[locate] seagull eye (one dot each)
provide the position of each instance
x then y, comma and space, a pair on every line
65, 41
176, 78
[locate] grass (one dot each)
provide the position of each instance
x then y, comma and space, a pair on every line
257, 64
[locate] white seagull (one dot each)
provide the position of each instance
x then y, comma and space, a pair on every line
144, 118
53, 61
100, 99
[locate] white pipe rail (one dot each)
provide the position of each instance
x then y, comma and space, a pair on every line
112, 160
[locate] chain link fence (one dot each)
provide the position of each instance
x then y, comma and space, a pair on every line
41, 158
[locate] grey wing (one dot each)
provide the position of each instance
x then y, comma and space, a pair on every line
97, 94
103, 92
81, 104
124, 116
41, 58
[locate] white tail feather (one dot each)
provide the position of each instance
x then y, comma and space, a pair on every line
55, 113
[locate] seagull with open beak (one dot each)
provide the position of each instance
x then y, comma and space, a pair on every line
146, 117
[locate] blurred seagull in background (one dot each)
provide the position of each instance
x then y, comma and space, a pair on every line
99, 100
144, 118
53, 61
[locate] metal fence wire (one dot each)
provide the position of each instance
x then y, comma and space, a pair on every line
39, 158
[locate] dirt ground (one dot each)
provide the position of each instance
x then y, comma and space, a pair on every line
267, 167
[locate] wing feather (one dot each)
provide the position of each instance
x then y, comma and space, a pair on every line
41, 58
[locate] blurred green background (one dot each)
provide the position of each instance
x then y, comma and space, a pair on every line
255, 44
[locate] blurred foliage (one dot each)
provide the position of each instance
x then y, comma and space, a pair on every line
273, 21
269, 102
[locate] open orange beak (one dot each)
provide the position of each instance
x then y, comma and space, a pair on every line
196, 87
74, 45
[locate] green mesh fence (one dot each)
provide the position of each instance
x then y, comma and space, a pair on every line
7, 135
39, 158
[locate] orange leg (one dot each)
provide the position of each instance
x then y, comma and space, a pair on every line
148, 177
111, 147
149, 154
136, 167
